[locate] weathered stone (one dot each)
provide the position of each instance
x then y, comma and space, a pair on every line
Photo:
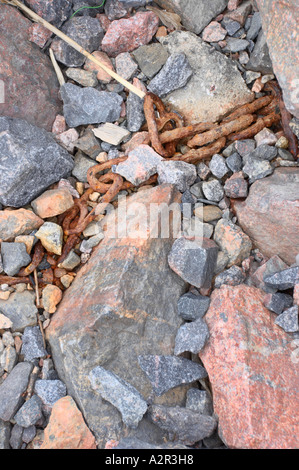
264, 152
49, 391
66, 428
191, 337
101, 74
12, 389
181, 174
67, 139
51, 297
32, 344
126, 67
200, 401
235, 45
230, 25
54, 12
231, 277
20, 309
234, 162
218, 166
236, 186
274, 302
102, 321
214, 32
265, 137
250, 367
30, 412
283, 280
192, 306
272, 266
208, 213
256, 169
81, 166
151, 58
51, 237
270, 214
83, 77
5, 429
14, 257
31, 161
213, 190
174, 74
52, 202
233, 241
22, 62
216, 86
260, 60
14, 223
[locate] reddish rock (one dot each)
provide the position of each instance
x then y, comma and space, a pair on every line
253, 378
66, 428
104, 21
214, 32
52, 202
17, 222
241, 13
125, 35
296, 295
38, 34
233, 241
270, 214
92, 67
51, 297
280, 25
233, 4
59, 124
30, 83
236, 186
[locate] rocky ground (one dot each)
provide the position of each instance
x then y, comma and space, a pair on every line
149, 343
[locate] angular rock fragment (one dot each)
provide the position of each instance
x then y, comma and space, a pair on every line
17, 222
200, 401
151, 58
191, 306
283, 280
213, 190
181, 174
51, 237
49, 391
231, 277
232, 241
288, 320
20, 309
167, 372
236, 186
175, 74
52, 202
32, 344
256, 168
14, 257
12, 389
191, 337
30, 412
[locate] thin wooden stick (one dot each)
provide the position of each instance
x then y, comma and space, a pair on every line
60, 77
76, 46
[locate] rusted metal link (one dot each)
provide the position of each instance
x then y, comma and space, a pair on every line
251, 131
37, 257
11, 281
249, 108
196, 155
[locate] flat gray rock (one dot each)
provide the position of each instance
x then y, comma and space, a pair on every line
89, 106
30, 412
12, 389
191, 337
200, 401
191, 306
32, 344
151, 58
283, 280
181, 174
167, 372
120, 394
14, 257
30, 161
174, 75
20, 308
49, 391
288, 320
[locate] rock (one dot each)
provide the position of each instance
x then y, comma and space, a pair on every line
86, 31
32, 344
269, 214
195, 15
218, 166
89, 106
260, 60
213, 32
38, 34
135, 112
194, 260
59, 125
216, 86
208, 213
120, 394
200, 401
4, 434
257, 369
89, 144
294, 125
191, 337
203, 170
272, 266
30, 412
232, 241
20, 309
14, 257
15, 440
151, 58
264, 152
236, 186
12, 389
241, 13
71, 261
187, 426
135, 443
67, 139
111, 133
235, 45
81, 166
51, 297
83, 77
49, 391
125, 35
283, 280
275, 302
52, 202
174, 74
256, 169
31, 161
126, 67
141, 164
8, 359
255, 26
234, 162
17, 222
181, 174
51, 237
230, 25
168, 372
5, 322
265, 137
22, 62
231, 277
55, 13
66, 428
279, 20
191, 306
101, 74
213, 190
29, 434
119, 323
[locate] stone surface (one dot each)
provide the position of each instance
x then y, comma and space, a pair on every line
283, 280
12, 388
49, 391
14, 256
216, 86
101, 74
82, 164
126, 67
260, 60
22, 62
14, 223
236, 186
250, 367
192, 306
194, 260
51, 237
175, 74
270, 214
52, 202
200, 401
122, 303
168, 372
20, 309
51, 297
120, 394
232, 241
231, 277
89, 106
195, 15
5, 428
181, 174
30, 160
256, 169
272, 266
213, 190
288, 320
279, 21
264, 152
218, 166
32, 344
54, 12
30, 412
66, 428
83, 77
191, 337
151, 58
214, 32
125, 35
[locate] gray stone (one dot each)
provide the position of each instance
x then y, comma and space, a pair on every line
151, 58
81, 166
285, 154
15, 440
30, 412
185, 425
255, 26
32, 344
85, 31
181, 174
236, 186
30, 161
12, 389
8, 359
126, 67
120, 393
288, 320
168, 372
89, 106
192, 306
244, 147
55, 13
256, 168
213, 190
200, 401
230, 25
283, 280
5, 428
196, 190
294, 125
195, 15
14, 257
191, 337
235, 45
214, 442
49, 391
115, 9
135, 114
275, 302
141, 164
231, 277
89, 144
264, 152
203, 170
83, 77
218, 166
234, 162
260, 60
29, 434
194, 260
175, 74
20, 308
